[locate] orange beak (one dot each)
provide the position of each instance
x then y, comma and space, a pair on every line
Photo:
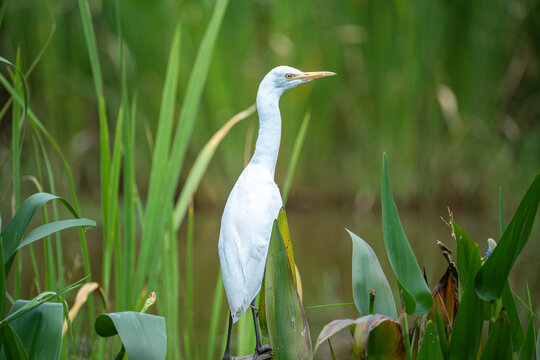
313, 75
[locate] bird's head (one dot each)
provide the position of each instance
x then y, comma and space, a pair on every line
283, 78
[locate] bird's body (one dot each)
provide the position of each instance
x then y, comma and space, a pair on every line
247, 227
255, 200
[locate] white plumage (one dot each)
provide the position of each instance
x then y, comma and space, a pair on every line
255, 200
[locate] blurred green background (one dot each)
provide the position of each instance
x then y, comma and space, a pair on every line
449, 89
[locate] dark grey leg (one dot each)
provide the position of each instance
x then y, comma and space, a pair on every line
259, 348
227, 355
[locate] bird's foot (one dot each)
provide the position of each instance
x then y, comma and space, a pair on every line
262, 350
227, 356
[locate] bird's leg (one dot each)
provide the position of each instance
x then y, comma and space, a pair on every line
227, 355
259, 348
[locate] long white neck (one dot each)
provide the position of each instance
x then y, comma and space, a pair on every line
267, 146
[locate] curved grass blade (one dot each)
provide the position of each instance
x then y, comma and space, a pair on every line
50, 228
15, 229
367, 274
416, 295
430, 350
143, 335
492, 277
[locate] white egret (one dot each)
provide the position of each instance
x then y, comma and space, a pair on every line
254, 203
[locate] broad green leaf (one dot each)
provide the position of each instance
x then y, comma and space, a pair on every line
515, 324
378, 337
367, 274
491, 278
430, 349
12, 345
417, 296
527, 351
286, 320
143, 335
40, 329
467, 331
499, 343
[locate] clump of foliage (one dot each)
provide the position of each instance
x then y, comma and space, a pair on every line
470, 313
473, 294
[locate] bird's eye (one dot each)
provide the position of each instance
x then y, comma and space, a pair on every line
289, 76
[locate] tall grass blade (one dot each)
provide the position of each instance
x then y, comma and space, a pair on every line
112, 235
189, 343
214, 319
527, 351
154, 215
90, 38
297, 148
50, 271
168, 303
130, 195
187, 119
